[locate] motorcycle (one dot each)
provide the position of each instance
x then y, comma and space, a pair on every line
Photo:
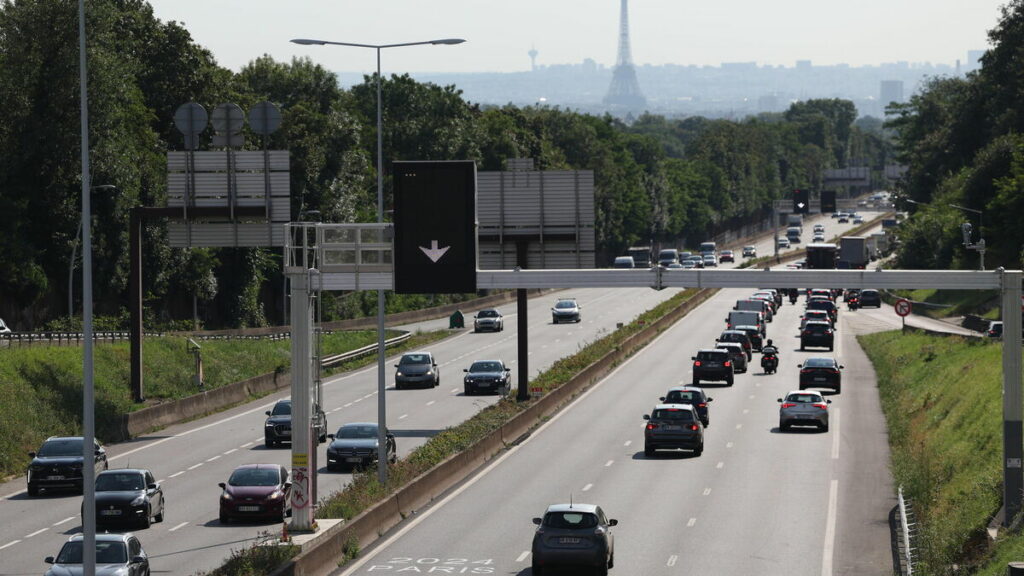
769, 363
852, 304
792, 297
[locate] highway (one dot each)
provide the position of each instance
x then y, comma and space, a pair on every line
190, 459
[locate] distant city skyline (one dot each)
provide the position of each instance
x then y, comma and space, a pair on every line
500, 36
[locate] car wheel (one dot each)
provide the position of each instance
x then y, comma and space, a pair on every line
611, 560
699, 450
837, 389
801, 346
535, 568
224, 519
33, 490
783, 426
269, 443
824, 427
160, 517
729, 382
467, 392
696, 381
648, 451
147, 520
830, 348
437, 382
602, 570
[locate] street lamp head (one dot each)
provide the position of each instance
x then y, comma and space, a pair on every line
308, 42
103, 187
448, 41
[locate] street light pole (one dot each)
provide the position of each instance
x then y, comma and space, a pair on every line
382, 461
980, 246
74, 251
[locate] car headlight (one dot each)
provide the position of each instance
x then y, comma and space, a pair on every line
399, 373
269, 424
226, 497
469, 380
276, 495
139, 501
430, 372
37, 468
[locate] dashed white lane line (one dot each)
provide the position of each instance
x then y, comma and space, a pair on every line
609, 463
68, 519
182, 525
368, 395
707, 491
403, 416
691, 522
247, 444
257, 439
588, 487
523, 556
212, 458
335, 410
431, 402
176, 474
830, 529
455, 390
347, 405
751, 397
9, 544
745, 411
728, 444
738, 426
720, 465
230, 451
36, 533
357, 400
194, 466
672, 560
834, 425
628, 442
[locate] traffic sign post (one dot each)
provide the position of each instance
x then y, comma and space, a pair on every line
903, 308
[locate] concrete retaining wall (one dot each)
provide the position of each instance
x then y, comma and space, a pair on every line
322, 557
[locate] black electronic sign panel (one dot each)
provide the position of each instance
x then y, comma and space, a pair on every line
801, 201
435, 227
828, 201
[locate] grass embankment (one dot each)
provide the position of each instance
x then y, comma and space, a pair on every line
41, 387
984, 303
942, 398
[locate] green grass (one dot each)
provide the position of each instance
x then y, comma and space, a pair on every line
41, 386
942, 398
947, 303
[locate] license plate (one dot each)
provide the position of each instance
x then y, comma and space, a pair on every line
353, 459
54, 477
248, 508
819, 379
110, 512
486, 384
568, 540
671, 427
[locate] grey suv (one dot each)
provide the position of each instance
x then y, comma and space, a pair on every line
712, 364
573, 535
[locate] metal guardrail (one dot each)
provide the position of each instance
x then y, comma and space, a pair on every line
60, 338
328, 361
907, 533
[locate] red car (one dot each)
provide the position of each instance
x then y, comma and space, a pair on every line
258, 491
726, 256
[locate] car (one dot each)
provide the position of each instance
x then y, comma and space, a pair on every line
803, 408
116, 555
775, 293
826, 305
668, 256
755, 334
858, 219
58, 464
815, 315
684, 255
821, 373
574, 534
417, 369
674, 266
355, 445
726, 256
688, 264
710, 261
870, 297
487, 376
851, 294
995, 329
844, 218
817, 333
277, 428
819, 228
623, 262
825, 292
565, 310
128, 496
692, 395
739, 355
488, 319
782, 242
712, 364
750, 251
818, 237
696, 259
835, 215
769, 298
738, 336
675, 426
4, 329
256, 491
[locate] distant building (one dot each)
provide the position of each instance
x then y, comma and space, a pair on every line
890, 91
803, 65
974, 59
533, 58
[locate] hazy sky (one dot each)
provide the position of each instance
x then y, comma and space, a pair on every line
499, 34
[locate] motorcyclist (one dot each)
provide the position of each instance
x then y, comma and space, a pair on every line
769, 349
793, 294
769, 356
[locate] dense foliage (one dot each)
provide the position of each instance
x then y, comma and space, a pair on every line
668, 180
961, 138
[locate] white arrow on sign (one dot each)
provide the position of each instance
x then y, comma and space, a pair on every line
434, 253
800, 205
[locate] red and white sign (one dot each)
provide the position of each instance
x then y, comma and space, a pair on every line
902, 307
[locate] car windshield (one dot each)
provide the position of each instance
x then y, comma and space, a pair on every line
816, 327
361, 431
255, 477
682, 397
570, 520
57, 448
821, 305
282, 409
485, 367
674, 414
409, 359
804, 398
713, 355
565, 304
819, 363
487, 314
106, 553
112, 482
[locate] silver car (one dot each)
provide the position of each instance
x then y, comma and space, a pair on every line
803, 408
116, 555
488, 319
573, 535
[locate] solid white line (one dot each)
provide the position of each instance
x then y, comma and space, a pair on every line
36, 533
691, 522
588, 487
834, 425
11, 543
523, 556
194, 466
431, 402
608, 463
230, 451
212, 458
68, 519
830, 529
176, 474
182, 525
672, 560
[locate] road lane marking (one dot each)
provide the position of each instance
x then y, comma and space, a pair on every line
608, 463
707, 491
336, 409
347, 405
258, 438
368, 395
182, 525
194, 466
247, 444
834, 425
431, 402
738, 426
588, 487
176, 474
720, 465
36, 533
751, 397
830, 529
628, 442
9, 544
455, 390
745, 411
230, 451
728, 444
357, 400
68, 519
403, 416
523, 556
672, 560
691, 522
212, 458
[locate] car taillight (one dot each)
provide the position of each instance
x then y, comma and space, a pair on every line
828, 331
727, 364
806, 371
702, 405
651, 425
696, 362
694, 427
789, 405
822, 406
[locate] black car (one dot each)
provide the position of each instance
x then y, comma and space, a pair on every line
826, 305
673, 426
278, 426
573, 534
487, 376
817, 333
739, 355
355, 446
417, 369
712, 364
128, 496
741, 337
58, 464
870, 297
754, 333
692, 395
821, 373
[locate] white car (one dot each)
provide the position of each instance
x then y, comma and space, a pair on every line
3, 327
116, 555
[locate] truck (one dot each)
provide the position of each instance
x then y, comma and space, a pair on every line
793, 234
853, 253
641, 256
795, 220
881, 242
821, 256
708, 248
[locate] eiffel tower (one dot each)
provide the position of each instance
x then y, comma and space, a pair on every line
624, 93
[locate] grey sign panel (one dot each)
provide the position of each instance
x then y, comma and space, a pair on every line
264, 118
247, 160
435, 227
224, 234
855, 176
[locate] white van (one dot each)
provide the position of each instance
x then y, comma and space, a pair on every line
623, 262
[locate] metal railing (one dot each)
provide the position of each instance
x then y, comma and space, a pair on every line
908, 532
328, 361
